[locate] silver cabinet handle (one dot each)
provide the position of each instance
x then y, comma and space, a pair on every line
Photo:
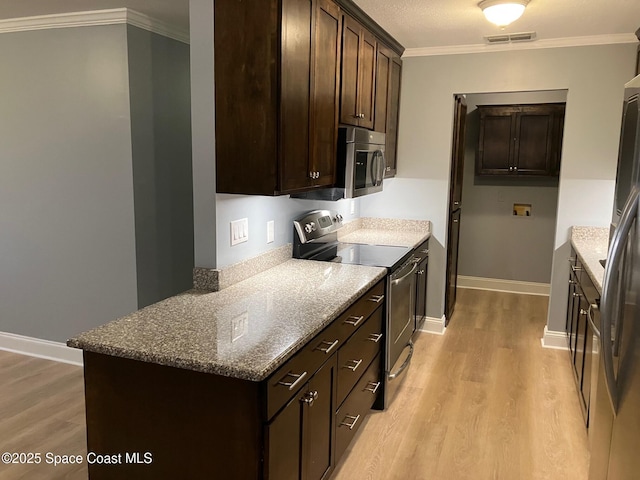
374, 337
577, 295
354, 367
610, 290
571, 259
455, 220
388, 169
583, 312
355, 321
309, 397
353, 419
515, 169
329, 348
292, 385
372, 387
425, 251
376, 298
420, 272
456, 203
575, 269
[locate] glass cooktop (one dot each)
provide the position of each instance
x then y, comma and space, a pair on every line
371, 255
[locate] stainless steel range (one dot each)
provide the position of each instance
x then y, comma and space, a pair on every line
315, 238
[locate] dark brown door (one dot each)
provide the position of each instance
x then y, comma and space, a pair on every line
367, 87
325, 74
349, 109
284, 443
533, 131
496, 144
393, 115
455, 203
383, 68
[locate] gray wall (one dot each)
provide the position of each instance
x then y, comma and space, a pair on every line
594, 77
493, 242
160, 99
67, 247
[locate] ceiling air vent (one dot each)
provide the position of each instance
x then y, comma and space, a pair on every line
511, 38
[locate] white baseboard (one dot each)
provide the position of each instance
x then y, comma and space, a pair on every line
553, 339
499, 285
36, 347
434, 325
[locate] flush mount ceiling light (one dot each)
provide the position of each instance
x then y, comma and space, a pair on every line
503, 12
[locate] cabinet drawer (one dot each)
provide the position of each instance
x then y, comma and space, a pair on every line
422, 251
356, 355
356, 314
350, 415
288, 379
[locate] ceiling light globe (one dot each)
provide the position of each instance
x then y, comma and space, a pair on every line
502, 13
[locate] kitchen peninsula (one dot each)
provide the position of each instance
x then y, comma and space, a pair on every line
240, 383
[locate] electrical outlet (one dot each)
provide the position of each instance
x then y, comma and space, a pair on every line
270, 231
239, 326
352, 207
239, 231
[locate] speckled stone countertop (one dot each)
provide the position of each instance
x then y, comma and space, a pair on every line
386, 231
245, 331
591, 244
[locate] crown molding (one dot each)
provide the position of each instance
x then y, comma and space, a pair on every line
535, 45
113, 16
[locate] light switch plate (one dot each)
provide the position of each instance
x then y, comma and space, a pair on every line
239, 231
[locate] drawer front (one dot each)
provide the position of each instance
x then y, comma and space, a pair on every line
422, 251
288, 379
350, 415
355, 316
356, 355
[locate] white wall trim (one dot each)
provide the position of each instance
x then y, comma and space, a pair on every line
112, 16
36, 347
499, 285
553, 339
434, 325
537, 44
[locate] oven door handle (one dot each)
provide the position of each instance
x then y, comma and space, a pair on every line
405, 364
398, 280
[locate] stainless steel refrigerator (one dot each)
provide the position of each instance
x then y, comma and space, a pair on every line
615, 422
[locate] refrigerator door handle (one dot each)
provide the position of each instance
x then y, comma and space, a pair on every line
609, 290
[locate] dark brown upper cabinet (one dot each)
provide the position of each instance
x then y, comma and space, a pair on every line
277, 80
520, 139
357, 100
387, 102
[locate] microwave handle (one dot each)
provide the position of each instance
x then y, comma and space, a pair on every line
380, 167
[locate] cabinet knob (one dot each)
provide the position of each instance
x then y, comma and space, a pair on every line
309, 397
388, 169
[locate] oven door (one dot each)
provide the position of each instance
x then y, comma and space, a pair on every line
365, 169
400, 325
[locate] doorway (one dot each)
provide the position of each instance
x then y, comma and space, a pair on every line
504, 235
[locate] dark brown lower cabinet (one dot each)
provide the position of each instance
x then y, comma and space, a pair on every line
290, 426
299, 439
582, 311
422, 258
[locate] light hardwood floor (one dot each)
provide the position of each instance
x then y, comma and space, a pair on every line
482, 402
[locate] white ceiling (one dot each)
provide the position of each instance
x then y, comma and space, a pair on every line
414, 23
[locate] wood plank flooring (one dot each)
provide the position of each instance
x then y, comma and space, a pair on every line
484, 401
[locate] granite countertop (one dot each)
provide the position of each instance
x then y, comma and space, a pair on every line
385, 231
245, 331
591, 245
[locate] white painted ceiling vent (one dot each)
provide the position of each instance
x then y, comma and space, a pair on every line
510, 38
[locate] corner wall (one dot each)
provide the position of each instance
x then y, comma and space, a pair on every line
67, 246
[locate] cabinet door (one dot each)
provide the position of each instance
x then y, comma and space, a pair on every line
349, 109
452, 263
325, 76
317, 430
284, 443
534, 127
367, 85
393, 115
383, 69
495, 146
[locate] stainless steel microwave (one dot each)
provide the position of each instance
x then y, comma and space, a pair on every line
360, 165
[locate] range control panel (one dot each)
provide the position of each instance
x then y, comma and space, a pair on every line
316, 224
